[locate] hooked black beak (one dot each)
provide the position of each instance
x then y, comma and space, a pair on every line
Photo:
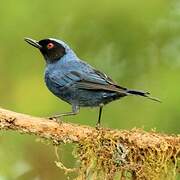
33, 42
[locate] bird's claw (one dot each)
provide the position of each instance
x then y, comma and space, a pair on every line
56, 119
97, 126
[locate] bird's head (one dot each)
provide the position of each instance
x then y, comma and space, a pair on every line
52, 49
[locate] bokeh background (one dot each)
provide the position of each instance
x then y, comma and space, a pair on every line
137, 43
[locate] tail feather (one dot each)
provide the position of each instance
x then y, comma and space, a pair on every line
144, 94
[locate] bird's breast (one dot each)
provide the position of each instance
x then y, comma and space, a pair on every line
60, 87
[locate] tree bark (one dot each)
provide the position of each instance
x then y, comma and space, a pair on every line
63, 131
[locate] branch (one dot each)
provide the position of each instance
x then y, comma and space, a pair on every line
42, 127
113, 151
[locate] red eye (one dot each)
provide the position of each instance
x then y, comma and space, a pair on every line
50, 45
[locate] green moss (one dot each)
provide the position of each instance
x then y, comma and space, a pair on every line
136, 154
109, 155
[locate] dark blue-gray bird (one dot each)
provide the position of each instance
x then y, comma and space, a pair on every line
76, 82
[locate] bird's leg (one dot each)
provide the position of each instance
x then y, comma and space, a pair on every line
75, 110
99, 118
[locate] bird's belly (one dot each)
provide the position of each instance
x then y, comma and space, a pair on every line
84, 98
62, 92
88, 98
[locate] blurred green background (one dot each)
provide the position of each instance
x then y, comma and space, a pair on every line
137, 43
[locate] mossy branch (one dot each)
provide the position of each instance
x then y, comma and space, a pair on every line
106, 153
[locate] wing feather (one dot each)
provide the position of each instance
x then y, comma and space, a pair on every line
83, 76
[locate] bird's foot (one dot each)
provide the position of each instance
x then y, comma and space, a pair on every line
98, 126
56, 119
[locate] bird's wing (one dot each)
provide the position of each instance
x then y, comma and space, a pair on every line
96, 80
108, 79
83, 76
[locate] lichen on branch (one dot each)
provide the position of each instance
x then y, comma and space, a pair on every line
106, 153
134, 154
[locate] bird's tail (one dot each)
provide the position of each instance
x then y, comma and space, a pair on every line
141, 93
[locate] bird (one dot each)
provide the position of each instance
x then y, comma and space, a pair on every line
75, 81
